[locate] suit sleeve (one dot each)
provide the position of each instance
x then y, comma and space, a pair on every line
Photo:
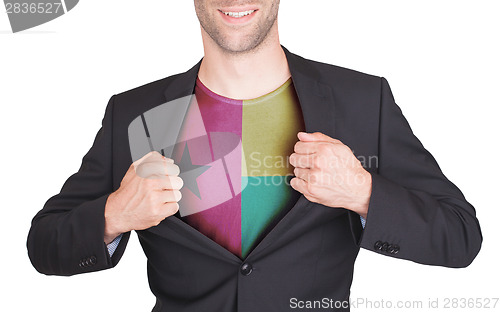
67, 236
415, 212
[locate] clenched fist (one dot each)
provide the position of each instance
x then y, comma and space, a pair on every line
148, 193
327, 172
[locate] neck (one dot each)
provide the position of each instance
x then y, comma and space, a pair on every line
244, 75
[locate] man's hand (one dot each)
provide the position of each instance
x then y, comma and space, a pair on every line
327, 172
148, 193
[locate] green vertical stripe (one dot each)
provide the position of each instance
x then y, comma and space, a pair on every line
262, 201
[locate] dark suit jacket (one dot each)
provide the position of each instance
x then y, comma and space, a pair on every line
415, 212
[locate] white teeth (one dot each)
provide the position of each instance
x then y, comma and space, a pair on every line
239, 14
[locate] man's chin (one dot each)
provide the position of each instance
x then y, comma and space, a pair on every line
239, 46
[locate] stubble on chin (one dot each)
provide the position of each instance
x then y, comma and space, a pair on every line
248, 44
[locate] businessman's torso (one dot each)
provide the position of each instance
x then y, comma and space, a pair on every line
308, 254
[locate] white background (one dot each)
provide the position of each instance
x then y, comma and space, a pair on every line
441, 59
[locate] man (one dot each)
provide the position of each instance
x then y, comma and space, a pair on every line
219, 233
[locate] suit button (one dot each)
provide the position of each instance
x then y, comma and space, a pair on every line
378, 245
246, 269
93, 260
396, 249
384, 246
390, 249
82, 263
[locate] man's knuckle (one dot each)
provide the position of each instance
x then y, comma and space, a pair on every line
177, 182
172, 169
177, 195
296, 147
172, 208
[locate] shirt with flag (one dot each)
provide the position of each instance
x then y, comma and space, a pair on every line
233, 158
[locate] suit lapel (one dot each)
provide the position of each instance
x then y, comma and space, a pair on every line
318, 108
183, 84
316, 98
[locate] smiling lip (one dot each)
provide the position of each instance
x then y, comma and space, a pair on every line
238, 15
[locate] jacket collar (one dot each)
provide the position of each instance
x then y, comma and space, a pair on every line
315, 96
